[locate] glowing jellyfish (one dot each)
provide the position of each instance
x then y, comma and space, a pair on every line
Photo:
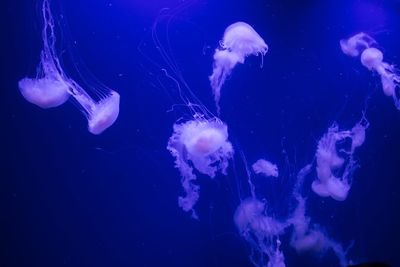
356, 44
333, 170
311, 239
240, 40
261, 231
372, 58
202, 144
52, 87
266, 168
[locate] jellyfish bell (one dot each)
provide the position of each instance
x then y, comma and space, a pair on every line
44, 92
240, 40
248, 211
261, 231
201, 144
266, 168
332, 187
104, 113
202, 139
314, 242
371, 58
243, 40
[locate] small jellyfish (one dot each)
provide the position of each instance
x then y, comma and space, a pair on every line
239, 41
354, 46
372, 58
52, 86
266, 168
261, 232
330, 164
312, 239
202, 144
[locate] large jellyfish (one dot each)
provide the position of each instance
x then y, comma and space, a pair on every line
240, 40
372, 58
261, 232
202, 144
199, 142
52, 86
334, 171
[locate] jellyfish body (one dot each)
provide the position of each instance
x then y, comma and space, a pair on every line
329, 162
266, 168
52, 87
261, 232
46, 92
308, 238
202, 144
372, 58
239, 41
356, 44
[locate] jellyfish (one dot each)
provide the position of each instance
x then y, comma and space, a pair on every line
330, 164
266, 168
372, 58
354, 46
203, 145
312, 239
261, 231
52, 87
239, 41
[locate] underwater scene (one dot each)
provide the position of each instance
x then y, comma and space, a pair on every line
201, 133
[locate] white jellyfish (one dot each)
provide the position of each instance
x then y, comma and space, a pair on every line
52, 86
266, 168
202, 144
239, 41
261, 231
356, 44
333, 170
308, 238
372, 58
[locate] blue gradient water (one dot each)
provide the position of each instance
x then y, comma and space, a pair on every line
69, 198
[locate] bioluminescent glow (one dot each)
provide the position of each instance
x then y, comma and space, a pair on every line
52, 87
372, 58
204, 145
334, 171
240, 41
265, 167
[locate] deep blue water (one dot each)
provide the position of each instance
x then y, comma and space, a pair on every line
69, 198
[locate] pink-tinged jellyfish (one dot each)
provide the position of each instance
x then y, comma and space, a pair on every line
372, 59
354, 46
201, 144
307, 238
52, 86
333, 170
266, 168
239, 41
261, 232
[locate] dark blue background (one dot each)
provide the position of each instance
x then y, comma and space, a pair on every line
69, 198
